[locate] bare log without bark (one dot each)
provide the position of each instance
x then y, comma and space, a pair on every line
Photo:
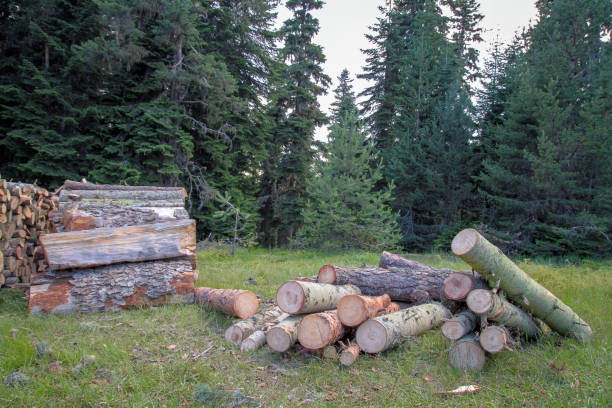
495, 339
467, 354
493, 307
299, 297
239, 331
105, 246
459, 325
356, 309
349, 355
254, 341
458, 285
383, 332
137, 195
76, 185
116, 287
320, 330
234, 302
491, 262
284, 335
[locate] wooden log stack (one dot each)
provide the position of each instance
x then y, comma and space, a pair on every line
25, 211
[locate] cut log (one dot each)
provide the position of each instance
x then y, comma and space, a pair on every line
284, 335
137, 195
467, 354
459, 325
330, 352
496, 308
242, 329
380, 333
491, 262
349, 355
116, 287
356, 309
76, 185
254, 341
105, 246
320, 330
234, 302
75, 220
495, 339
458, 285
300, 297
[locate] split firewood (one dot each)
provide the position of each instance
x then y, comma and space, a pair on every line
254, 341
320, 330
300, 297
491, 262
495, 339
349, 355
496, 308
458, 285
234, 302
380, 333
284, 335
356, 309
242, 329
106, 246
459, 325
467, 354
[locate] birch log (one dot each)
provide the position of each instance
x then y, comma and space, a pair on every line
242, 329
459, 325
254, 341
300, 297
234, 302
284, 335
491, 262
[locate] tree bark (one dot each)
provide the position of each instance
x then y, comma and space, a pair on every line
486, 303
75, 185
467, 354
491, 262
116, 287
458, 285
380, 333
105, 246
300, 297
242, 329
356, 309
349, 355
254, 341
320, 330
495, 339
284, 335
459, 325
233, 302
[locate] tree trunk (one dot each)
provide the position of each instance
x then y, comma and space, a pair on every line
467, 354
491, 262
105, 246
458, 285
254, 341
284, 335
486, 303
116, 287
380, 333
356, 309
234, 302
349, 355
244, 328
300, 297
459, 325
320, 330
136, 195
495, 339
76, 185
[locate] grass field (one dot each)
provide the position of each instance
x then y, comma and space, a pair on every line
175, 356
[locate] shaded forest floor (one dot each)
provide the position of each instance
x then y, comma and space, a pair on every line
175, 356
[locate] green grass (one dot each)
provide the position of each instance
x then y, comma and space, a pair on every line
175, 356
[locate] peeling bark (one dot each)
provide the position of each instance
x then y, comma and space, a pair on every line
299, 297
242, 329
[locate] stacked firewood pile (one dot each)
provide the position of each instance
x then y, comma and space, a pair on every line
343, 311
121, 247
24, 215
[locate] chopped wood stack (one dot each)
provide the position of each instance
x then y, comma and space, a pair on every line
24, 215
117, 250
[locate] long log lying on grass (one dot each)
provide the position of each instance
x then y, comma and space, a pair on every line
320, 330
491, 262
234, 302
380, 333
105, 246
494, 307
242, 329
300, 297
467, 354
459, 325
356, 309
116, 287
284, 335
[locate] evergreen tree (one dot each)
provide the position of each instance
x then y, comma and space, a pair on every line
345, 103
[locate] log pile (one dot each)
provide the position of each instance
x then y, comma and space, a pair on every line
25, 211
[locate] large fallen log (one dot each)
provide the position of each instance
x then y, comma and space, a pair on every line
284, 335
77, 185
491, 262
234, 302
356, 309
116, 287
300, 297
106, 246
320, 330
467, 354
136, 195
380, 333
459, 325
242, 329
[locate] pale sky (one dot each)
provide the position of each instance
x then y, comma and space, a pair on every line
344, 23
